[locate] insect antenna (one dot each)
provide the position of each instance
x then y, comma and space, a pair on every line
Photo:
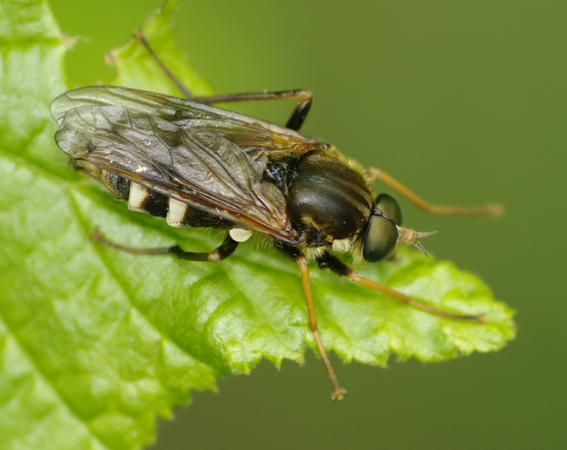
409, 236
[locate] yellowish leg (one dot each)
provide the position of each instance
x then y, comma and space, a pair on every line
338, 392
355, 276
494, 209
334, 264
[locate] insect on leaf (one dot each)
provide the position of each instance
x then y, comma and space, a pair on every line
94, 343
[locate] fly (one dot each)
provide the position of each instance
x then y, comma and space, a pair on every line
198, 165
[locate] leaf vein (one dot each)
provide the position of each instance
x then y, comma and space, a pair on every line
49, 382
125, 289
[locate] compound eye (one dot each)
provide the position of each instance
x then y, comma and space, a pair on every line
382, 233
388, 206
380, 239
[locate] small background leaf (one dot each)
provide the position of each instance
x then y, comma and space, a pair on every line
94, 343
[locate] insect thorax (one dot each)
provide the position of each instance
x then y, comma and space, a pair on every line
327, 199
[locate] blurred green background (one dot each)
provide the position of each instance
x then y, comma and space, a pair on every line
463, 101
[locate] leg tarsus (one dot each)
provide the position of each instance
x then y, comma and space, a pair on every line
338, 392
302, 261
96, 236
494, 210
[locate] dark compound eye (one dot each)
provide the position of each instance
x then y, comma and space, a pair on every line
388, 206
382, 233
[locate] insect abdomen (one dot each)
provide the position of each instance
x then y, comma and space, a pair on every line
142, 199
176, 212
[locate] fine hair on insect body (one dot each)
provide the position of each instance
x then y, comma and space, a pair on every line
198, 165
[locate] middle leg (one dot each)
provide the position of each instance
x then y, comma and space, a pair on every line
302, 261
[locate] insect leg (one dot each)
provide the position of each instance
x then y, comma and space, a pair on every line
328, 261
295, 121
495, 210
301, 260
298, 115
226, 249
140, 36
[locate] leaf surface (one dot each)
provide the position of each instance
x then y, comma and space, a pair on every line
95, 343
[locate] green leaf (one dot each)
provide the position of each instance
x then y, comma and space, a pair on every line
95, 343
136, 69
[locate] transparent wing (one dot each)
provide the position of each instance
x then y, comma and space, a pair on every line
193, 165
257, 137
